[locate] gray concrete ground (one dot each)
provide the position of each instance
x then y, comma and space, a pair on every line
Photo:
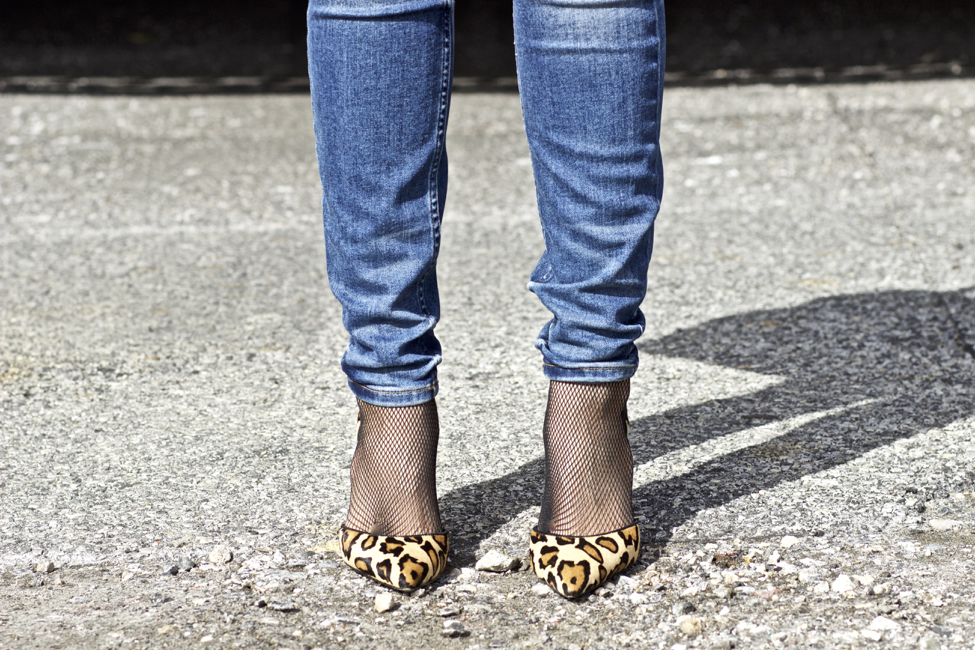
175, 432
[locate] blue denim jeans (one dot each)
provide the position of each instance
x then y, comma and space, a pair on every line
590, 74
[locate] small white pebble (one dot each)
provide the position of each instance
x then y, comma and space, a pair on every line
842, 584
495, 561
221, 555
787, 569
45, 566
873, 635
384, 602
541, 589
883, 623
690, 625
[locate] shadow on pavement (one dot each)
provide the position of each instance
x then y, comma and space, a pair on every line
888, 365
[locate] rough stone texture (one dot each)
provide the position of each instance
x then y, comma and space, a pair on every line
843, 584
690, 625
384, 602
221, 555
169, 379
453, 628
495, 561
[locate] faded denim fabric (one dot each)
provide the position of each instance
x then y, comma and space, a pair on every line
591, 80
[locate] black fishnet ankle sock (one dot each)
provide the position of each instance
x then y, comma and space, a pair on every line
394, 471
588, 465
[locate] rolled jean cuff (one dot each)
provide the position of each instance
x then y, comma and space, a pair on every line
589, 375
395, 397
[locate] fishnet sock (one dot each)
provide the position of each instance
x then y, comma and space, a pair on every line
394, 471
588, 464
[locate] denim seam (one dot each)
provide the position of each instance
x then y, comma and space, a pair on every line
433, 183
552, 365
396, 392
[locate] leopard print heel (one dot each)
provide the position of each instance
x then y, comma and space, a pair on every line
576, 566
403, 563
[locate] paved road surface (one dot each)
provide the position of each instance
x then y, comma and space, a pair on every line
803, 423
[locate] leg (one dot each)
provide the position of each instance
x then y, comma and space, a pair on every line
591, 80
380, 80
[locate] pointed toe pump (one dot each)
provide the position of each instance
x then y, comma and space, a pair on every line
403, 563
575, 566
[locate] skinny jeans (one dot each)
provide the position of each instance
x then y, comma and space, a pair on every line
590, 75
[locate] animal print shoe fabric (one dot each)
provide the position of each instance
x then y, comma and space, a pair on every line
403, 563
575, 566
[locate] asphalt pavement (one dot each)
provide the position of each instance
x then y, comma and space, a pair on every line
175, 431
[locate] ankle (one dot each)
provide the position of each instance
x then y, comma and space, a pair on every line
393, 472
589, 467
